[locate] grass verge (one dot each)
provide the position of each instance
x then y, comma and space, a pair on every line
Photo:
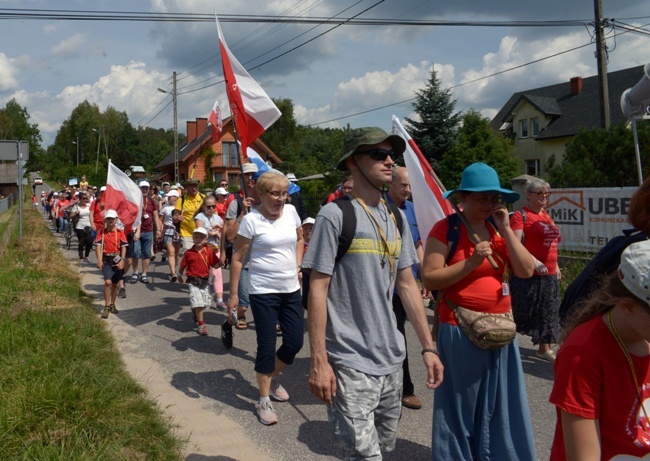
64, 392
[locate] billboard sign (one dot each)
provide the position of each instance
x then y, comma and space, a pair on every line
589, 217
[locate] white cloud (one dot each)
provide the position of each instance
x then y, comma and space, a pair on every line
8, 73
69, 46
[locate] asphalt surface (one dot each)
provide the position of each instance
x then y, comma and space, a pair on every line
223, 381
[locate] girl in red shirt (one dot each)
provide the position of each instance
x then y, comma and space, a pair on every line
602, 371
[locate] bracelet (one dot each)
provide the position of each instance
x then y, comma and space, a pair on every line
433, 351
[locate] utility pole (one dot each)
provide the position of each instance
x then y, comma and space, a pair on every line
175, 102
176, 175
601, 59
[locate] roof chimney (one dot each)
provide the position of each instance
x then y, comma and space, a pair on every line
191, 131
576, 85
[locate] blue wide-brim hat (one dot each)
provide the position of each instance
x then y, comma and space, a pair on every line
479, 177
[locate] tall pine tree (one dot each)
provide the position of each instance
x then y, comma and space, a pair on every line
436, 131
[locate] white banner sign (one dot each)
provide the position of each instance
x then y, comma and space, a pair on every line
589, 217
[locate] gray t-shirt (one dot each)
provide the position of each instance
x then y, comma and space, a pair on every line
361, 328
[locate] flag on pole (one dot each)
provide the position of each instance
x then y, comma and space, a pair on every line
214, 119
430, 207
252, 109
123, 196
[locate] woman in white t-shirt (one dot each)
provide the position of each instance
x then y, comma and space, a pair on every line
207, 216
81, 212
272, 236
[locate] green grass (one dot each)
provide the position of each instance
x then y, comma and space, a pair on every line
64, 392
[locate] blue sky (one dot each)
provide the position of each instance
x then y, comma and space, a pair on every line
50, 66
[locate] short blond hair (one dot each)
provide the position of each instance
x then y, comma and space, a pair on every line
269, 179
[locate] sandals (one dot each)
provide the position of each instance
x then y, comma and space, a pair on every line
241, 323
144, 278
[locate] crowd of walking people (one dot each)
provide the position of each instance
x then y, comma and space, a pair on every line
362, 267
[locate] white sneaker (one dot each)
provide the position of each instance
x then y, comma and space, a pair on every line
266, 413
278, 392
549, 355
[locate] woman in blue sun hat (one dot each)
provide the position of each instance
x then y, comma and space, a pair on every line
481, 408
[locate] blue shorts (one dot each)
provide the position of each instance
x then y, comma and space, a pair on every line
112, 273
243, 288
142, 248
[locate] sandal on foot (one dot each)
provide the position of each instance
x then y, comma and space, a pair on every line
241, 323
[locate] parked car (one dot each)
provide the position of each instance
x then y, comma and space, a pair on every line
38, 181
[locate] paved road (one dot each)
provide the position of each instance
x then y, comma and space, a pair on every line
223, 382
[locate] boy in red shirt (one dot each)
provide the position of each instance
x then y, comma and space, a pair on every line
198, 260
110, 247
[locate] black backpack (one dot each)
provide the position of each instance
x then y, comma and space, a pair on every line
605, 262
349, 227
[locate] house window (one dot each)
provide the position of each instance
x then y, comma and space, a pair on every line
216, 177
534, 126
523, 128
532, 167
229, 154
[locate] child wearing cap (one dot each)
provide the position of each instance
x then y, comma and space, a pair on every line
198, 260
110, 247
602, 371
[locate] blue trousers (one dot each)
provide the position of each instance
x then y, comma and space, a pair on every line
269, 309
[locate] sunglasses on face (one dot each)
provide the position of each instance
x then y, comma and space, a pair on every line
209, 207
542, 194
379, 155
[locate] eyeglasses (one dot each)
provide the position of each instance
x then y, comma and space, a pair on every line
224, 184
210, 206
542, 194
379, 155
277, 195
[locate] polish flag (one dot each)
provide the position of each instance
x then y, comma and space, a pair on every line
215, 122
252, 109
123, 196
430, 207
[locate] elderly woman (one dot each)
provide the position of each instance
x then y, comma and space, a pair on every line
536, 300
481, 409
207, 217
272, 236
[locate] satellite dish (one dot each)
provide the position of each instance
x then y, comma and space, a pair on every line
127, 172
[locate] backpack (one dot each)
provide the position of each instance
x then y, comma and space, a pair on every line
453, 233
605, 262
349, 227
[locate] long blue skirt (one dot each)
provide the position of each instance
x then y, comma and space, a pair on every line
480, 410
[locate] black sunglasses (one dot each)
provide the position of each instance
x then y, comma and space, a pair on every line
210, 206
379, 155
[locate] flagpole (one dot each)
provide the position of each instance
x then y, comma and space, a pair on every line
460, 214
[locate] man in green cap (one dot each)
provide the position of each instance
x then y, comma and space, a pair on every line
356, 349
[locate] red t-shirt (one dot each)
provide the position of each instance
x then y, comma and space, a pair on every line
593, 380
62, 203
112, 240
221, 209
482, 289
98, 214
541, 236
199, 263
149, 207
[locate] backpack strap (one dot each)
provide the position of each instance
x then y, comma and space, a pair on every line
453, 234
349, 227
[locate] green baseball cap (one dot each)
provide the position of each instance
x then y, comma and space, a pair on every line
368, 136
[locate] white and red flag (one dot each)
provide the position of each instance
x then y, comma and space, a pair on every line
430, 207
252, 109
123, 196
214, 119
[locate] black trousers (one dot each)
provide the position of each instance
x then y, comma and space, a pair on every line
85, 242
400, 316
